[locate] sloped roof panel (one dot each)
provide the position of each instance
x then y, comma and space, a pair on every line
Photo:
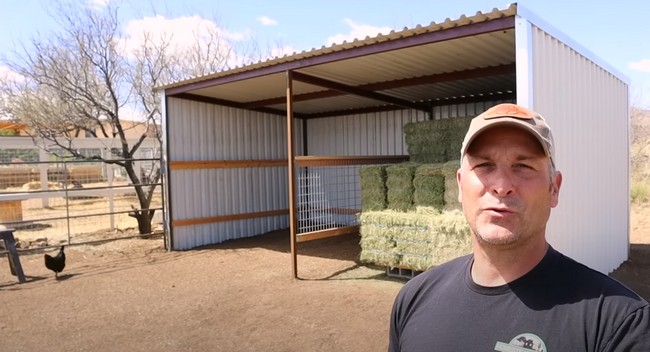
470, 55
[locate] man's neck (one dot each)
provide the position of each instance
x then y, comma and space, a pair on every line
495, 266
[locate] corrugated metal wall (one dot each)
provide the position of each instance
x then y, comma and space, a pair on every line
362, 135
587, 108
200, 132
376, 133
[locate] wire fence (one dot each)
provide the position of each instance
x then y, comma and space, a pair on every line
329, 192
49, 203
328, 197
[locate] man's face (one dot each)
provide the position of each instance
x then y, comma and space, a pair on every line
506, 187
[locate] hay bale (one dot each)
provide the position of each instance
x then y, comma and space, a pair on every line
372, 179
436, 141
456, 129
416, 240
415, 262
429, 186
378, 230
448, 171
390, 259
452, 236
399, 186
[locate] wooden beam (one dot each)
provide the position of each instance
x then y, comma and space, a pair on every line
473, 98
291, 175
229, 103
399, 83
225, 164
357, 91
226, 218
315, 235
324, 160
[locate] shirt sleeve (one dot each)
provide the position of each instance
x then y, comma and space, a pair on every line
393, 339
633, 334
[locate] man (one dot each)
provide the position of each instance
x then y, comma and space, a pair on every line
514, 292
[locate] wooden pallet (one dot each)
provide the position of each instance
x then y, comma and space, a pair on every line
402, 273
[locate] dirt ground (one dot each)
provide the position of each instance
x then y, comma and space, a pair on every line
131, 295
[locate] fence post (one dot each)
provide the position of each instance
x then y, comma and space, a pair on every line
43, 167
110, 171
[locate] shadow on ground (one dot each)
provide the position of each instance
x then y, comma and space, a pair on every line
344, 247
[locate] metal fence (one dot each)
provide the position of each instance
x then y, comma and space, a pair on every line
329, 193
50, 203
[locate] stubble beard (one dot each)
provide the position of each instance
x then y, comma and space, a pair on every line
495, 234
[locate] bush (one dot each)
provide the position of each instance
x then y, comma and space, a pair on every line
640, 192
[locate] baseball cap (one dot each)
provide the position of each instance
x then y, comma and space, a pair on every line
512, 115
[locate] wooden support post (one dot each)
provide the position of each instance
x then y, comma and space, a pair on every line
293, 223
7, 235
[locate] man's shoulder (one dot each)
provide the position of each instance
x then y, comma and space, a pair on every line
583, 278
452, 270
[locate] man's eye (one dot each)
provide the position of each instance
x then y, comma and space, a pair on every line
523, 166
483, 165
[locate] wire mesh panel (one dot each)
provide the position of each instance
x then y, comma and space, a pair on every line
328, 197
328, 192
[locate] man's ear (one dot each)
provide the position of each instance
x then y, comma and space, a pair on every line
460, 191
556, 183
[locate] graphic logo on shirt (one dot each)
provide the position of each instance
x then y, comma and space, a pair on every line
522, 343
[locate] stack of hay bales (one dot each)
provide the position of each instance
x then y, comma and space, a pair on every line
373, 187
410, 215
415, 240
436, 141
399, 186
404, 187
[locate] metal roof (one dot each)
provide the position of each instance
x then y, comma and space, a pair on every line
464, 60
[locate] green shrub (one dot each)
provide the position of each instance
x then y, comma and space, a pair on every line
640, 192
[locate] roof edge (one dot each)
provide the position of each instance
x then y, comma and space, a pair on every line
462, 20
561, 36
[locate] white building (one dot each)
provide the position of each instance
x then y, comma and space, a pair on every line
226, 139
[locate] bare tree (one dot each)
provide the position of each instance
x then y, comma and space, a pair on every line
86, 78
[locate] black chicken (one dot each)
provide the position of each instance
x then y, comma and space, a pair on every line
56, 263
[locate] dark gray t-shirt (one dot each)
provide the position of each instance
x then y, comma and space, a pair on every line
560, 305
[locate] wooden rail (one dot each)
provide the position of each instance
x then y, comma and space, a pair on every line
315, 235
301, 161
232, 217
225, 164
304, 161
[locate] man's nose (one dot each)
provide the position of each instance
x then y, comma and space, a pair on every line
502, 184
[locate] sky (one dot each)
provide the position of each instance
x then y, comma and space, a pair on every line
616, 32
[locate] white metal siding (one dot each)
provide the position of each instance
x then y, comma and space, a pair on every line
363, 135
376, 133
201, 132
360, 135
587, 108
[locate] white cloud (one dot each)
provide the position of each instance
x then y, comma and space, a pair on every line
642, 65
182, 32
267, 21
358, 31
98, 4
182, 28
